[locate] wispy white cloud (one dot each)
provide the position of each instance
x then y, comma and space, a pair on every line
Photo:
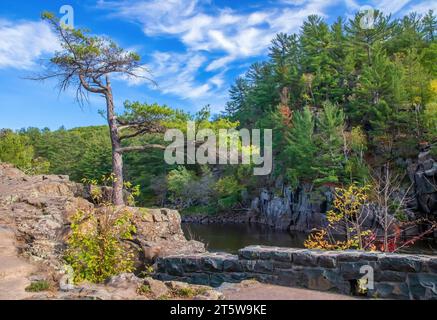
23, 43
176, 74
179, 73
218, 39
422, 7
390, 6
397, 8
226, 30
227, 35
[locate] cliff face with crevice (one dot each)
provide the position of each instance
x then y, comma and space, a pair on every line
304, 209
423, 173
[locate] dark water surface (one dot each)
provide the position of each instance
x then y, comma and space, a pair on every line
231, 237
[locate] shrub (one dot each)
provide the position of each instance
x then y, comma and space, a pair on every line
227, 186
185, 292
95, 247
144, 289
228, 191
187, 189
178, 179
38, 286
347, 214
133, 191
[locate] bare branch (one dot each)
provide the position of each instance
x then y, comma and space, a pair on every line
140, 148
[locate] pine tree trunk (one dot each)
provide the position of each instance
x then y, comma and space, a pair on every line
117, 158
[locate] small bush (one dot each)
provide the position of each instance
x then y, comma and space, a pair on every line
178, 179
38, 286
185, 292
227, 186
188, 292
95, 247
144, 289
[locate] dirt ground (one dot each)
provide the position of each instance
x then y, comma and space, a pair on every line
253, 290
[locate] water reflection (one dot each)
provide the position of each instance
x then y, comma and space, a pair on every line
231, 237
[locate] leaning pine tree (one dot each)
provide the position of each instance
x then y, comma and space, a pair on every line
86, 63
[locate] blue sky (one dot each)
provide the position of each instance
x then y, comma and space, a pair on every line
194, 49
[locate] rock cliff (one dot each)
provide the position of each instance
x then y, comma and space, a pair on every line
303, 209
38, 209
35, 216
424, 175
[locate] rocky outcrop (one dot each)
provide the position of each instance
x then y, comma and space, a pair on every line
393, 276
424, 175
243, 217
302, 209
39, 208
36, 210
159, 234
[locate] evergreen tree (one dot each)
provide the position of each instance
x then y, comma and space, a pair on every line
429, 26
330, 143
301, 148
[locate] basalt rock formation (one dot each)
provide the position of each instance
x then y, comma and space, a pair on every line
304, 209
298, 210
424, 175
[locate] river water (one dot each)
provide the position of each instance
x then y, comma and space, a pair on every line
231, 237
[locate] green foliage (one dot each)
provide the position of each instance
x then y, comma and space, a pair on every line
95, 247
302, 148
79, 50
227, 186
188, 292
79, 152
430, 119
16, 149
178, 179
228, 202
330, 143
144, 289
96, 193
38, 286
430, 113
147, 114
341, 99
375, 78
317, 148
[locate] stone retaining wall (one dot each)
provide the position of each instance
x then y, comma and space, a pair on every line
396, 276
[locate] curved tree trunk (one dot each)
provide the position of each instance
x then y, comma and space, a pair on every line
117, 158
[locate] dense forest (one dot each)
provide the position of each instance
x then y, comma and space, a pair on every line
343, 102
